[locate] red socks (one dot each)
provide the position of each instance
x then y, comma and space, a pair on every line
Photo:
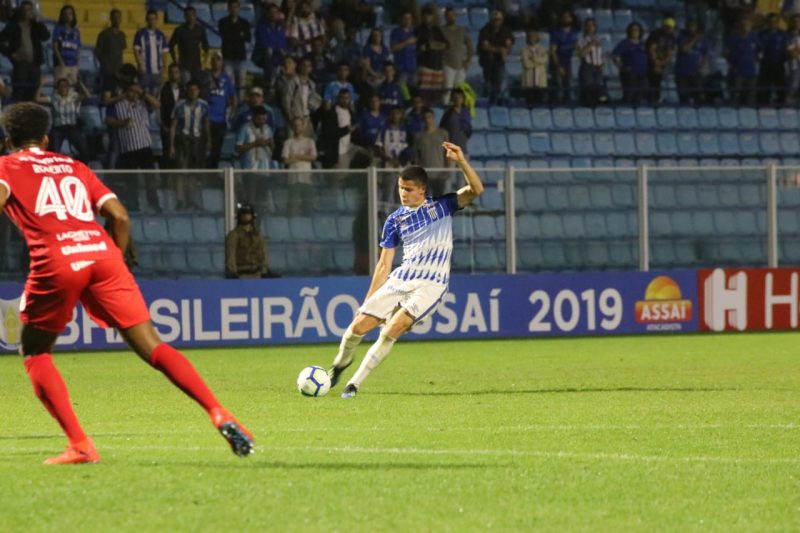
52, 392
181, 372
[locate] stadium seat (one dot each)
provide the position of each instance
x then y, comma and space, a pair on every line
551, 226
687, 118
604, 118
595, 224
788, 119
539, 143
199, 260
662, 195
625, 118
528, 227
646, 118
622, 17
707, 118
604, 19
622, 195
476, 146
154, 229
748, 118
789, 143
478, 17
667, 117
219, 11
486, 227
179, 229
324, 228
584, 118
562, 118
583, 13
521, 119
600, 196
725, 222
212, 200
617, 225
492, 198
248, 13
708, 142
562, 143
667, 143
557, 197
597, 255
496, 144
748, 143
728, 118
624, 144
175, 260
481, 120
687, 144
553, 256
582, 144
530, 256
573, 225
207, 229
276, 228
579, 198
499, 117
301, 228
518, 144
646, 144
769, 142
542, 119
660, 223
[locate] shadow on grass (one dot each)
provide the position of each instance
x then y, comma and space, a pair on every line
560, 391
333, 465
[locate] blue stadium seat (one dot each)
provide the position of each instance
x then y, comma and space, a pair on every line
597, 255
485, 227
604, 118
667, 117
137, 233
219, 10
584, 118
212, 200
562, 118
481, 120
519, 42
681, 223
478, 16
557, 197
624, 143
746, 223
207, 229
622, 17
521, 119
622, 195
583, 13
248, 13
646, 144
530, 256
687, 144
625, 118
276, 228
496, 144
175, 259
203, 12
174, 13
748, 118
768, 118
462, 228
667, 143
542, 119
579, 197
660, 223
553, 256
87, 62
789, 143
748, 143
601, 196
301, 228
595, 224
687, 118
646, 118
573, 225
769, 142
539, 143
728, 143
551, 226
617, 225
199, 260
179, 229
663, 195
603, 143
154, 229
605, 19
476, 146
708, 142
488, 258
582, 144
535, 198
725, 222
498, 117
491, 198
324, 228
686, 195
788, 118
708, 118
299, 259
728, 118
518, 144
562, 143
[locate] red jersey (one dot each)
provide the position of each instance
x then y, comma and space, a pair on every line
52, 200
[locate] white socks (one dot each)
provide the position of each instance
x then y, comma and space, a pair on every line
350, 342
375, 356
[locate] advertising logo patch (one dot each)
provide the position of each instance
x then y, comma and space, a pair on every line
663, 303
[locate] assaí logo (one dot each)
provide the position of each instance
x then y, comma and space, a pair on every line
663, 307
10, 325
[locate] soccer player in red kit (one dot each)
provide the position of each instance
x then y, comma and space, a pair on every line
53, 199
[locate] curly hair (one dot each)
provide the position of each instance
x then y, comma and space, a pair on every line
25, 122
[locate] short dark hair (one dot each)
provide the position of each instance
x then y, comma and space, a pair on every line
416, 174
151, 12
25, 122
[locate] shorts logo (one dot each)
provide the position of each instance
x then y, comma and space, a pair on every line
10, 323
80, 265
663, 303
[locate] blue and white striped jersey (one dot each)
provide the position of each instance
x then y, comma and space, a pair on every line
426, 233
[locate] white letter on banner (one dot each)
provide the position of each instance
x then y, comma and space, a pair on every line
771, 300
284, 318
330, 312
494, 310
186, 321
473, 314
229, 318
72, 333
726, 302
449, 318
199, 333
113, 336
173, 327
255, 319
88, 325
310, 316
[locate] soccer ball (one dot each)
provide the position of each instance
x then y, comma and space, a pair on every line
313, 381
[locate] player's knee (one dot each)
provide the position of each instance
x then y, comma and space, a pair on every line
362, 325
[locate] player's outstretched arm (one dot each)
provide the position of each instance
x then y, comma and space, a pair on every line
382, 270
474, 187
116, 213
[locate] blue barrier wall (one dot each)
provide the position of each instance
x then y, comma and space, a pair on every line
310, 310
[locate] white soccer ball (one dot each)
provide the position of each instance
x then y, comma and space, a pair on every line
313, 381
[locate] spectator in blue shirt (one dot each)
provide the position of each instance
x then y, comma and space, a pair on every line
374, 57
772, 72
403, 43
341, 82
390, 91
415, 116
66, 45
220, 95
562, 48
371, 122
692, 59
630, 56
270, 42
742, 50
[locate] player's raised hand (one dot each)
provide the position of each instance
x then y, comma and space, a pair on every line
454, 152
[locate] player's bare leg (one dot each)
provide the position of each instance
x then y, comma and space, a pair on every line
37, 349
400, 322
361, 325
144, 340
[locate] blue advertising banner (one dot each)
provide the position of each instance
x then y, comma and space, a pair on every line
311, 310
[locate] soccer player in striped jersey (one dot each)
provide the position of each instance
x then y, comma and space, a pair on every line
401, 297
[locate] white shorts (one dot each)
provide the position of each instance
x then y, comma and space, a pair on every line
418, 297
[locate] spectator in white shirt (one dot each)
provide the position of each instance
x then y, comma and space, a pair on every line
299, 152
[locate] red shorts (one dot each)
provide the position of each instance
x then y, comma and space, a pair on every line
105, 287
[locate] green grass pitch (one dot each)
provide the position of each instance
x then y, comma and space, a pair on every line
679, 433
